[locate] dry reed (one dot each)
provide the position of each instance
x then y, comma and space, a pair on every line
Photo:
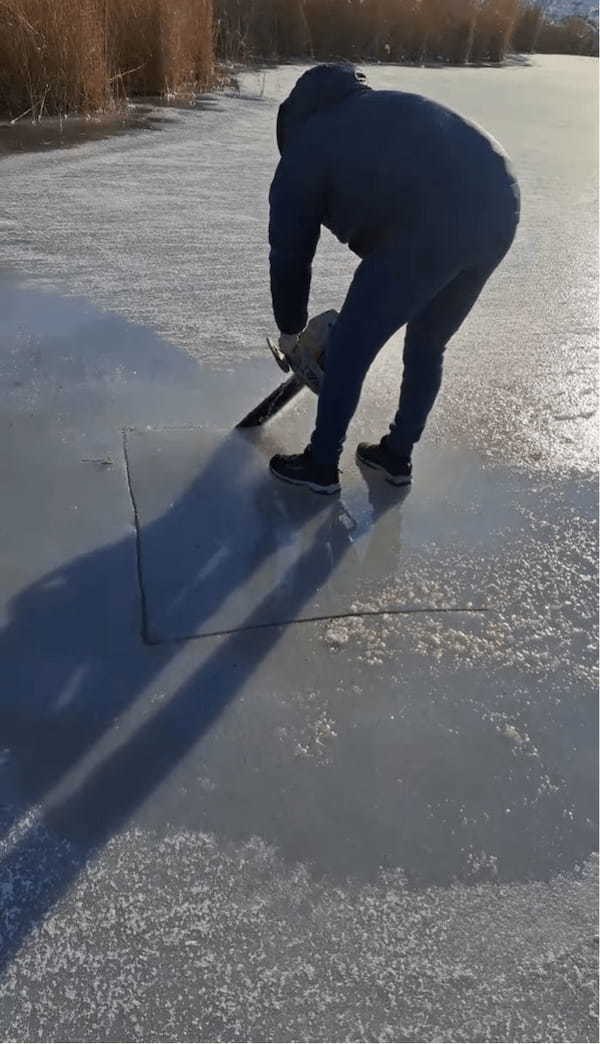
453, 31
58, 56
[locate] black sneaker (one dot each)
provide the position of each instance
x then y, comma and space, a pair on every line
397, 469
301, 470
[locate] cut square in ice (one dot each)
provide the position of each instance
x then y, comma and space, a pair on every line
224, 546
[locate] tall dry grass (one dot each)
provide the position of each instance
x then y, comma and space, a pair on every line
496, 20
66, 55
396, 30
51, 56
571, 36
455, 31
268, 29
159, 46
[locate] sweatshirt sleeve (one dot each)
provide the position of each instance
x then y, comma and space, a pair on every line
296, 209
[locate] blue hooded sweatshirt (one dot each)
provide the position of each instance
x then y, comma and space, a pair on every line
377, 168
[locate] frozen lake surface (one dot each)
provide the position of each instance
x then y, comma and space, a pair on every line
347, 793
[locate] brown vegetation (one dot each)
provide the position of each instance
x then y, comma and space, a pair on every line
65, 55
160, 46
455, 31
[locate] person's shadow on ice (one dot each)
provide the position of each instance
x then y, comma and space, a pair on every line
71, 669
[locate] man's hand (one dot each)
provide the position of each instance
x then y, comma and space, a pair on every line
305, 351
288, 344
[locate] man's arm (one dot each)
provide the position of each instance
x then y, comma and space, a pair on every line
296, 204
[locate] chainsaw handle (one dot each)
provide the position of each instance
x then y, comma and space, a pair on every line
278, 355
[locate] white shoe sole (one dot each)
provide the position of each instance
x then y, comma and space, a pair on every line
313, 486
395, 480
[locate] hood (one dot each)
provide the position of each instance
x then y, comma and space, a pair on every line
316, 89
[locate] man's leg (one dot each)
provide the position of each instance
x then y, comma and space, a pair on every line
426, 338
386, 292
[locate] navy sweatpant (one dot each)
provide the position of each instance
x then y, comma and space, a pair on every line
392, 287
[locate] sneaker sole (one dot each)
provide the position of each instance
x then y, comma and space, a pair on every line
395, 480
314, 488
